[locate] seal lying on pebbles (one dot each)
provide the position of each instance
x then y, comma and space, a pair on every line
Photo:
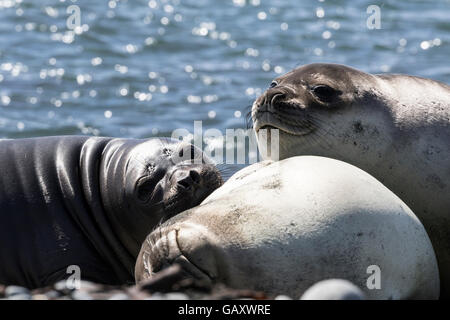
90, 202
395, 127
279, 227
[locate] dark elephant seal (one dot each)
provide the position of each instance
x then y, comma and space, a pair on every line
90, 202
395, 127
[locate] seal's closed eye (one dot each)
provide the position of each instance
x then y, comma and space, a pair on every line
145, 187
188, 153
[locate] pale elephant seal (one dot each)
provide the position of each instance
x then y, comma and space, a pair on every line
395, 127
280, 227
333, 289
90, 202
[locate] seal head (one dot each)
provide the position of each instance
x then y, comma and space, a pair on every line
143, 185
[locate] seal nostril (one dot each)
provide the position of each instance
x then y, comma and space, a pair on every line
195, 176
185, 183
191, 179
276, 96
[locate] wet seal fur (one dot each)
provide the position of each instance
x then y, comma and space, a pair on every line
395, 127
90, 202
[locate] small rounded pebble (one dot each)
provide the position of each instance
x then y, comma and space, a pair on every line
168, 296
16, 290
156, 296
283, 297
81, 295
88, 286
40, 297
176, 296
52, 294
333, 289
61, 286
20, 296
119, 296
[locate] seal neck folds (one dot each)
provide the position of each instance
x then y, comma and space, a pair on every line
94, 180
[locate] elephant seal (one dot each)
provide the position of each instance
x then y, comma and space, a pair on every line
280, 227
90, 202
395, 127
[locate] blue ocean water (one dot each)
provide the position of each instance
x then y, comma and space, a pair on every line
144, 68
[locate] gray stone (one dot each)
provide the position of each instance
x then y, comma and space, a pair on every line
333, 289
16, 290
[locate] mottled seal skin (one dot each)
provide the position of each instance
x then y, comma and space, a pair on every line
280, 227
90, 202
395, 127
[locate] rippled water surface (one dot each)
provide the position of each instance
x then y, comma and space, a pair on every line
145, 68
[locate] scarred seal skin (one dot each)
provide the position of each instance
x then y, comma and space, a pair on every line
90, 202
280, 227
395, 127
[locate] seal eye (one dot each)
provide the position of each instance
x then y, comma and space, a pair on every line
273, 84
324, 92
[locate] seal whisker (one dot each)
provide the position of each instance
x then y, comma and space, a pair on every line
248, 116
